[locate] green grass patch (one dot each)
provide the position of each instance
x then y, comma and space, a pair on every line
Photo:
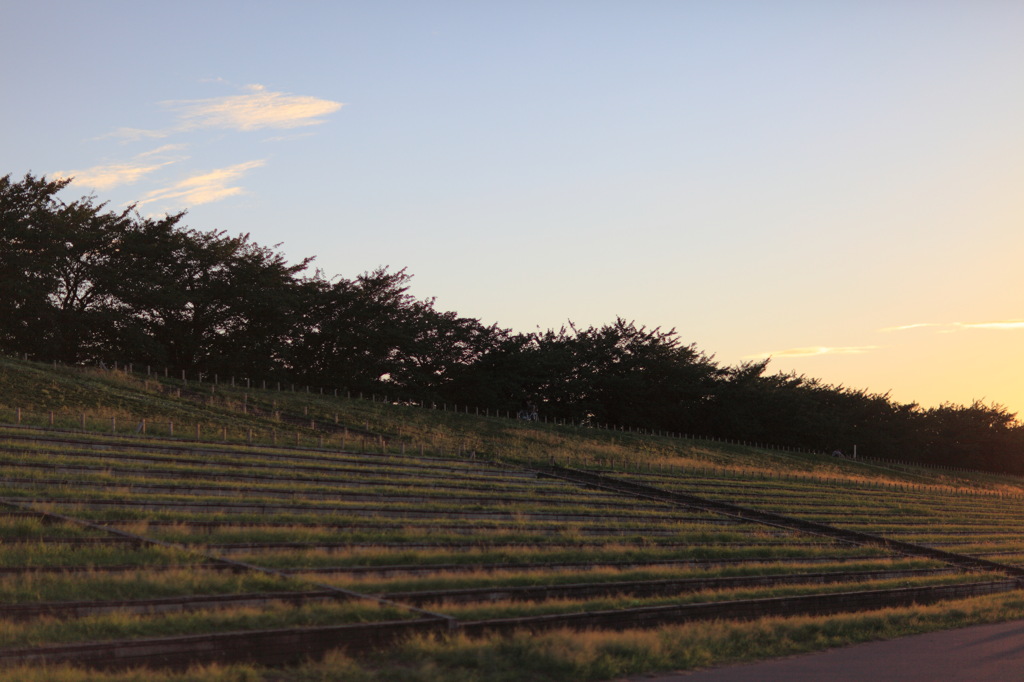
524, 578
33, 555
566, 655
178, 582
124, 625
515, 609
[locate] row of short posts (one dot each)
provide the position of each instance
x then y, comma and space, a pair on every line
249, 383
380, 444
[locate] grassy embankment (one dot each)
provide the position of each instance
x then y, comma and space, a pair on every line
514, 538
42, 393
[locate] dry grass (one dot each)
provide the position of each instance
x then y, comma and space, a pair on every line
512, 609
564, 655
126, 625
140, 584
442, 580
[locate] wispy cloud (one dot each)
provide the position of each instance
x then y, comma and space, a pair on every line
135, 134
917, 325
108, 176
257, 109
810, 351
167, 148
949, 327
204, 188
1003, 325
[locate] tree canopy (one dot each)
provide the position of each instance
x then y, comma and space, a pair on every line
80, 283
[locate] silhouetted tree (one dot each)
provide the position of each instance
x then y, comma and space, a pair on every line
52, 255
203, 300
80, 283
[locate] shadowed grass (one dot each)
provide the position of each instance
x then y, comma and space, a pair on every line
125, 625
36, 587
510, 578
565, 655
38, 555
514, 609
521, 555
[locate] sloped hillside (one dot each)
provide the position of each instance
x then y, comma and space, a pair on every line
293, 525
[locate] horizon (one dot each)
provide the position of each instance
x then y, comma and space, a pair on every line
836, 187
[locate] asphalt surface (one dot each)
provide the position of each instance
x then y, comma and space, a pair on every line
981, 653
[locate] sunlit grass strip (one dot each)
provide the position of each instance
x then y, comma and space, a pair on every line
955, 536
145, 519
669, 587
26, 527
123, 625
67, 493
254, 552
383, 557
602, 655
780, 477
435, 426
109, 447
93, 484
142, 583
754, 464
868, 523
381, 484
375, 477
245, 508
765, 498
438, 428
257, 458
980, 548
418, 570
585, 656
237, 672
1013, 557
533, 577
83, 448
516, 609
114, 510
892, 506
160, 605
242, 505
563, 655
770, 518
250, 567
208, 524
837, 496
840, 508
190, 417
303, 534
44, 555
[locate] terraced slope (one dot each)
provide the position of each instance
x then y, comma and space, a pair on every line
124, 552
977, 524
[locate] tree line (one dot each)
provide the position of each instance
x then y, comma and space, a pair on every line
82, 284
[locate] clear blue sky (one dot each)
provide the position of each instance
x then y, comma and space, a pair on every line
799, 179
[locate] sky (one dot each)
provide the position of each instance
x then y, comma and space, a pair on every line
838, 186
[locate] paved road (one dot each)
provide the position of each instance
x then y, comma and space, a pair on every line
981, 653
